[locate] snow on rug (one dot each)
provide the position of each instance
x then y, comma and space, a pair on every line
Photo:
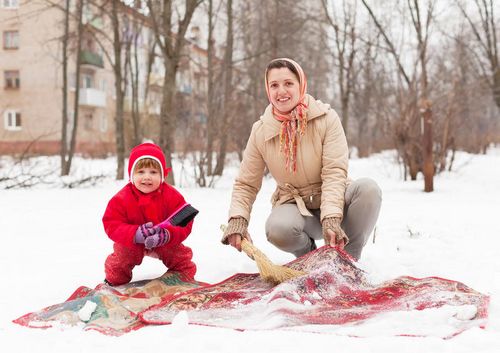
334, 296
109, 310
334, 292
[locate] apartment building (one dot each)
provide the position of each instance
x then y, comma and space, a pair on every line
31, 94
31, 89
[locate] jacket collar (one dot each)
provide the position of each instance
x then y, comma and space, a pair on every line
144, 199
272, 126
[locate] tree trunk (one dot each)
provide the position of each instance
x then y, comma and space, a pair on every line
485, 33
171, 44
72, 146
428, 167
134, 81
64, 128
496, 85
168, 121
228, 78
425, 109
117, 68
211, 108
413, 167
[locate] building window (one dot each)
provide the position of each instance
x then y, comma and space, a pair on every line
12, 79
103, 85
11, 39
87, 81
10, 4
88, 121
103, 122
12, 120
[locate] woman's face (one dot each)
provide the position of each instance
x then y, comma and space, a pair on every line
284, 89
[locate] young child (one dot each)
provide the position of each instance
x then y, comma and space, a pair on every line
131, 214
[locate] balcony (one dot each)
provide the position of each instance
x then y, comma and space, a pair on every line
92, 97
91, 58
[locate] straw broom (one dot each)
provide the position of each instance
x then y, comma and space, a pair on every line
269, 272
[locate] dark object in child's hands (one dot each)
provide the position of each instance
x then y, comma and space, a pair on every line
181, 217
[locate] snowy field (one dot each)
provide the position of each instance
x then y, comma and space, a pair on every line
54, 242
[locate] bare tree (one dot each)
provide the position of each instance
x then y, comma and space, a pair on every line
64, 127
228, 88
485, 33
266, 30
66, 165
421, 27
414, 101
470, 120
133, 31
344, 29
205, 174
119, 89
211, 103
255, 47
171, 41
113, 45
370, 99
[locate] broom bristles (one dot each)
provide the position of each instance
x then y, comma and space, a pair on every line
270, 272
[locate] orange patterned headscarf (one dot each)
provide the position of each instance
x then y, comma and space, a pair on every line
293, 124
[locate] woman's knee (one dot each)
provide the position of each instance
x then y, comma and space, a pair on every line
288, 237
368, 191
281, 230
284, 221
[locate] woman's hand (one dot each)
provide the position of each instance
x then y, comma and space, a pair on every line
333, 233
235, 241
333, 239
234, 231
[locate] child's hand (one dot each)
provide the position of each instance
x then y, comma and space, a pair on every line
161, 237
143, 231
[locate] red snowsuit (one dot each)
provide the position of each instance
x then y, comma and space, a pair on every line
126, 211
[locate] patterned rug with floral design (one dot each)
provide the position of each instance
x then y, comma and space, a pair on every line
110, 310
334, 293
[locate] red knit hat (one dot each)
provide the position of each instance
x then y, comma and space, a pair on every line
147, 150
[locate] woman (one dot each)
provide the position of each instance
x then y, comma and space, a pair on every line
302, 143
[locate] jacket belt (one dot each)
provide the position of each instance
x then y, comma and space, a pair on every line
298, 199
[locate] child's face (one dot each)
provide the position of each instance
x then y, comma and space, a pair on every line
146, 179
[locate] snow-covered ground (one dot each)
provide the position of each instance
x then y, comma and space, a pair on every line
53, 242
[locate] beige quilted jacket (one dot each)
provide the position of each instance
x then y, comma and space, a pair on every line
322, 160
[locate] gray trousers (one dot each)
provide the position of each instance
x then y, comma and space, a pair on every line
290, 231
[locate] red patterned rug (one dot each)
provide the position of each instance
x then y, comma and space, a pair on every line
333, 293
115, 310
